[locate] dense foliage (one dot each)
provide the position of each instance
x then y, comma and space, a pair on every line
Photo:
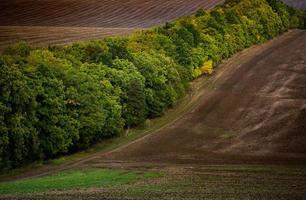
57, 100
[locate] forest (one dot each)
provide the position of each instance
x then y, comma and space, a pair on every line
61, 99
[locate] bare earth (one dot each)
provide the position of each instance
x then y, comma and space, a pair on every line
42, 35
243, 136
44, 22
301, 4
58, 22
253, 110
97, 13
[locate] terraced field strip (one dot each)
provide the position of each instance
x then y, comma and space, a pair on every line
41, 35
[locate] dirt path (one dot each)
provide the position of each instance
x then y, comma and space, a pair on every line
251, 111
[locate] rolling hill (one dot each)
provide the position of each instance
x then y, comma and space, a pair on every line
242, 137
59, 22
253, 110
237, 132
93, 13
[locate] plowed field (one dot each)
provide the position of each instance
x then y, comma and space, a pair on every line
97, 13
51, 21
253, 110
242, 136
296, 3
42, 35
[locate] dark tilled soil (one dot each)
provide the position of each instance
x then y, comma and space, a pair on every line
97, 13
42, 35
58, 22
301, 4
252, 111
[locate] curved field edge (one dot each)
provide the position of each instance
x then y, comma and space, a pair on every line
68, 21
102, 13
185, 105
186, 60
211, 133
47, 167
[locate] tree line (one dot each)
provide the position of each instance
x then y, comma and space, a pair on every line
58, 100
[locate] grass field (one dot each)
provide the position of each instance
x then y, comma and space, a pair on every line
197, 182
74, 179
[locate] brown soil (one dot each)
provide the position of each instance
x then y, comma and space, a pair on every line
253, 110
45, 22
301, 4
42, 35
97, 13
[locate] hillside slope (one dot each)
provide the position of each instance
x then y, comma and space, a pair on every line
60, 22
42, 35
250, 111
253, 110
93, 13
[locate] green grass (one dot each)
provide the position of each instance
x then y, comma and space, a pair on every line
216, 182
75, 179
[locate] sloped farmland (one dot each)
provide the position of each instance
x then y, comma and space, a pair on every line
301, 4
41, 22
42, 35
242, 136
251, 111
